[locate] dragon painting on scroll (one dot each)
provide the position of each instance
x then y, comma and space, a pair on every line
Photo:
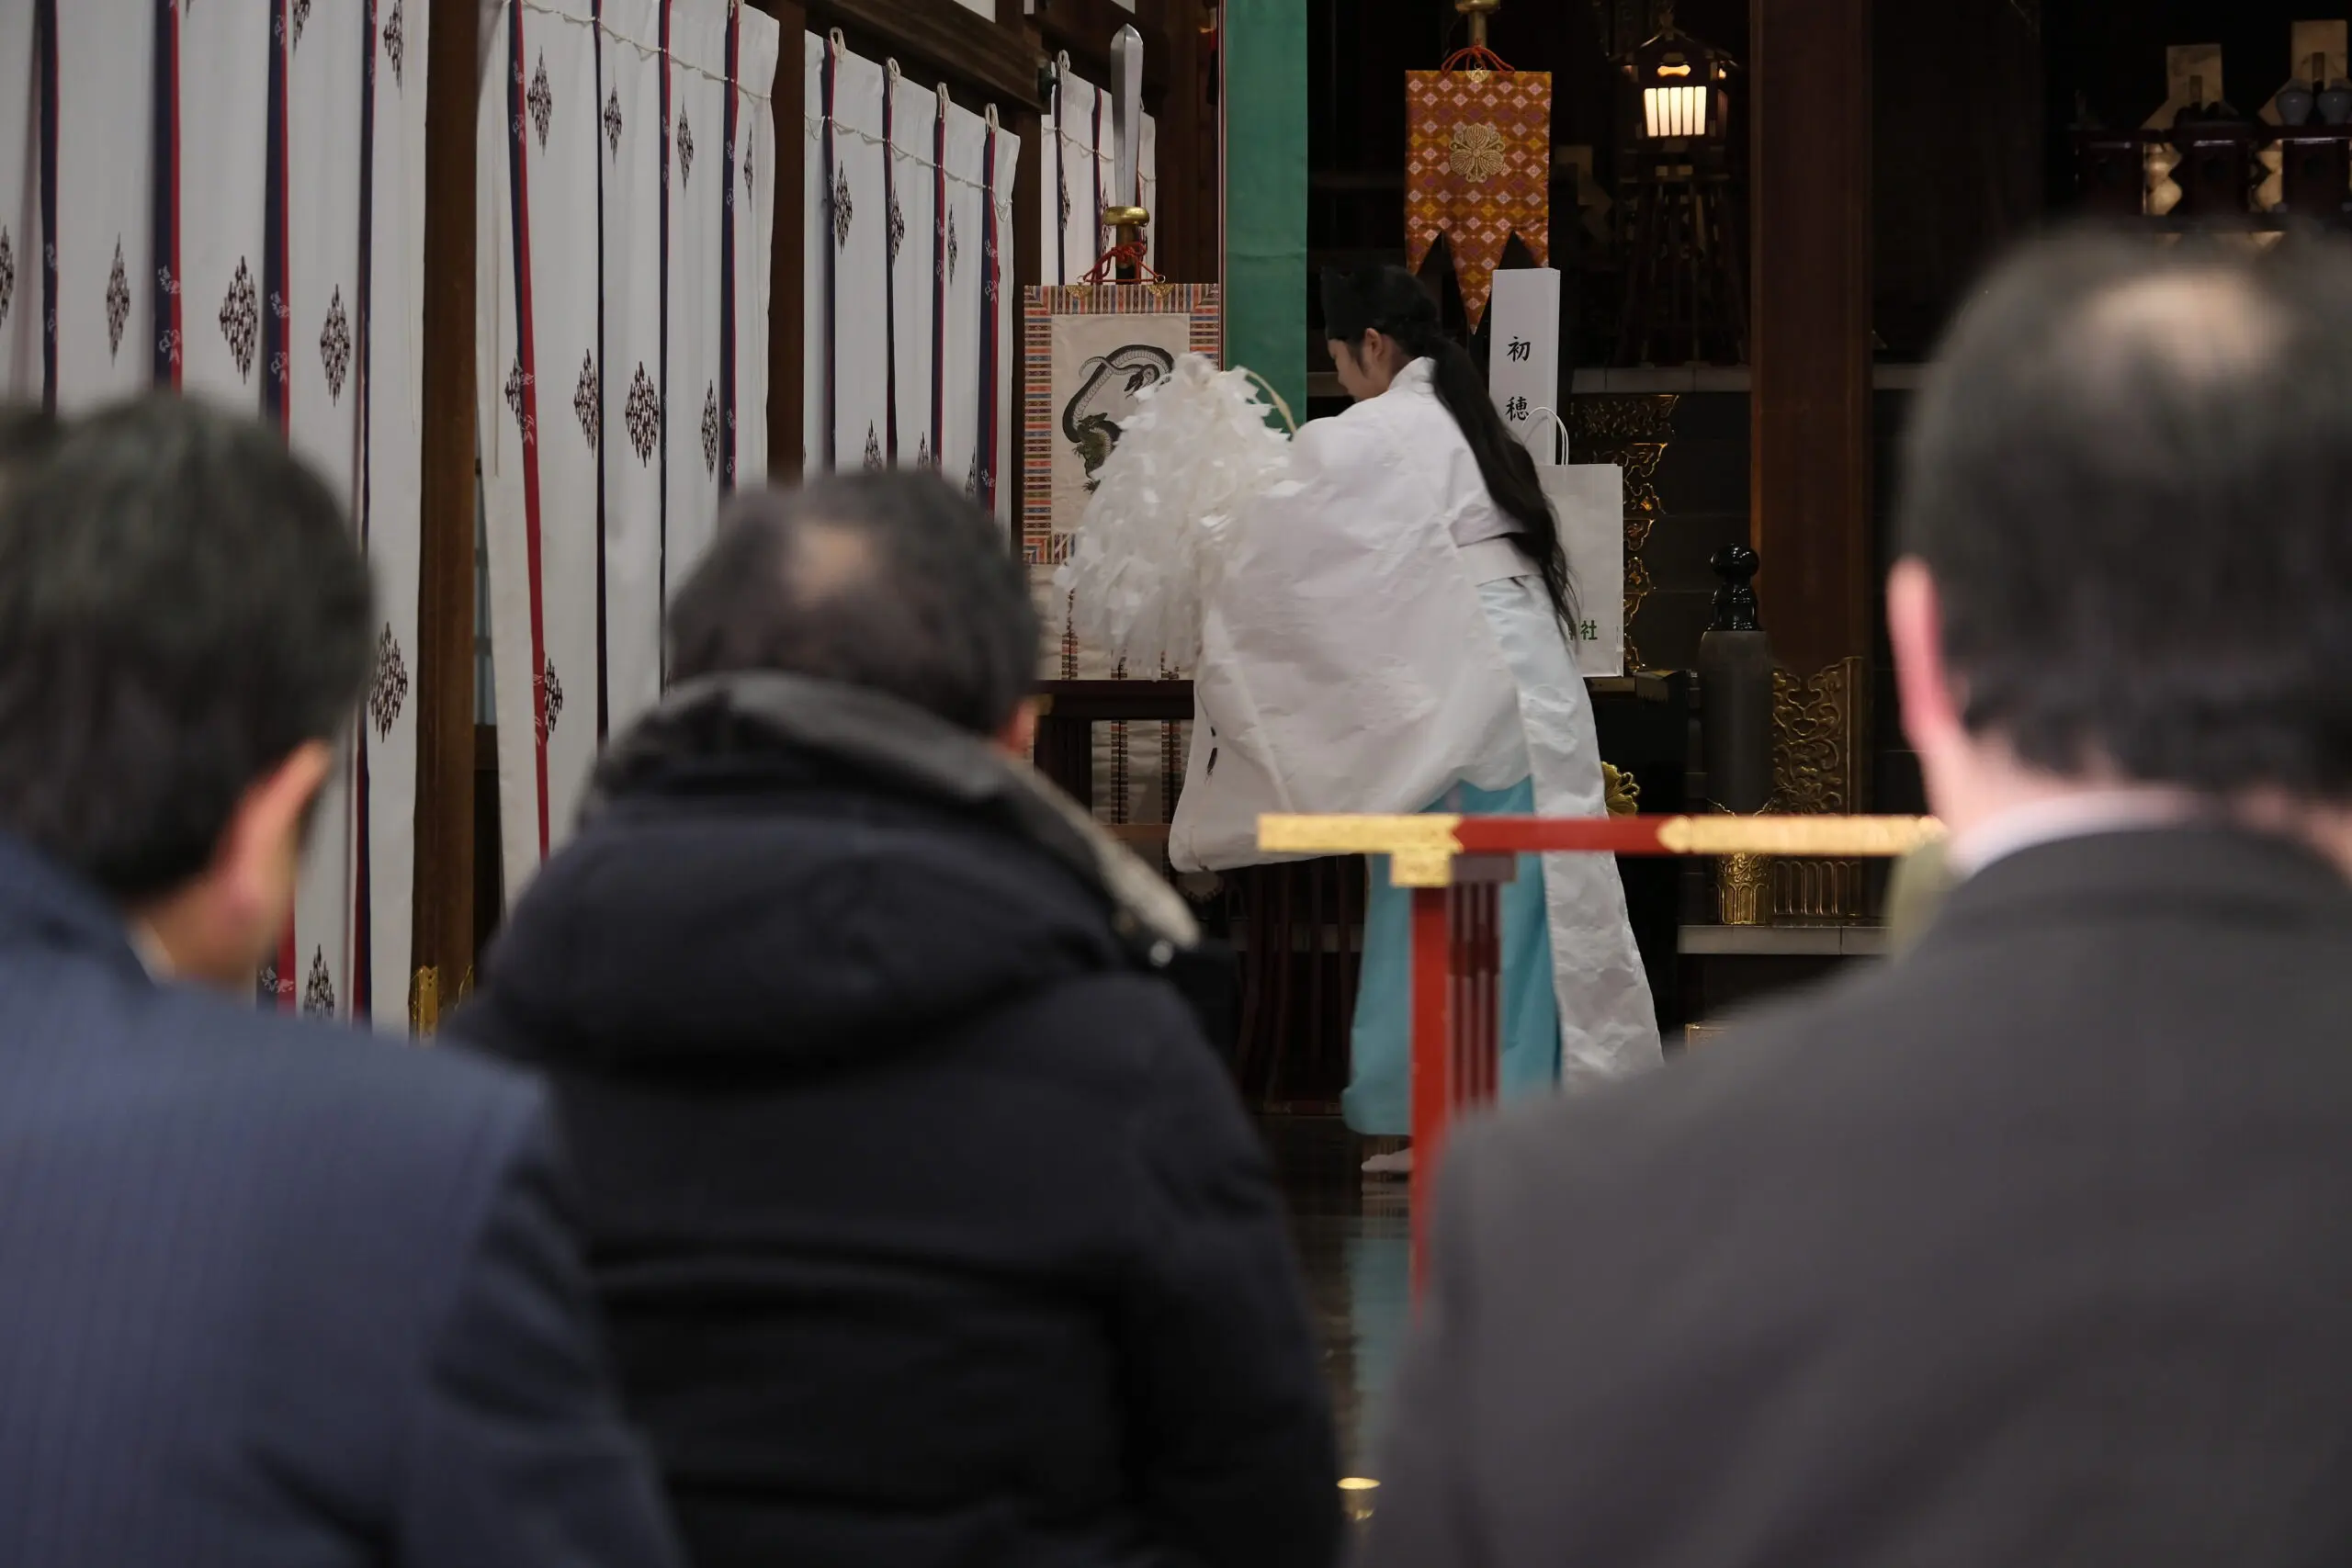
1108, 391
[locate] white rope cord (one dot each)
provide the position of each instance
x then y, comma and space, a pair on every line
648, 50
815, 127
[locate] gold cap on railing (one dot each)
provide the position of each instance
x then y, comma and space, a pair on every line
1422, 848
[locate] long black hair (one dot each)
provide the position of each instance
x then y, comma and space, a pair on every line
1389, 300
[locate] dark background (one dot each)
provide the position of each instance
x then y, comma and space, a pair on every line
1975, 99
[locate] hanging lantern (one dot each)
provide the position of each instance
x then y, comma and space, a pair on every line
1478, 161
1680, 83
1685, 298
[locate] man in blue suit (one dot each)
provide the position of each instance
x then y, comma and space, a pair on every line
270, 1292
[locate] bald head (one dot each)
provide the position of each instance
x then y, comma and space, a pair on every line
2130, 476
891, 583
2204, 329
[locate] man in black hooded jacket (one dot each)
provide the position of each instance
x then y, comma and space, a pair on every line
929, 1228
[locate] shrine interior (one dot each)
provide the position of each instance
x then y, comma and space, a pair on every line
908, 227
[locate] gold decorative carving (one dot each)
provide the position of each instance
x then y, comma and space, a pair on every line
1478, 152
1820, 746
1743, 889
1818, 738
1632, 432
424, 1002
1817, 891
1621, 791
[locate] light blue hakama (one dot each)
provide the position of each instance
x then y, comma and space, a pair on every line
1379, 1097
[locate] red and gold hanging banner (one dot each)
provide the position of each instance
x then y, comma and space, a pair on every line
1477, 170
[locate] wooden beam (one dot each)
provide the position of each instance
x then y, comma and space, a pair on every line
1191, 250
939, 37
1809, 87
444, 912
787, 307
1085, 28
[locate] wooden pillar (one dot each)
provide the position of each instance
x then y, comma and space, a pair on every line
1189, 248
1809, 83
787, 317
443, 916
786, 308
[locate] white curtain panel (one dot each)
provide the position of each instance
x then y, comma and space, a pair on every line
627, 177
1003, 355
944, 251
751, 70
539, 133
1147, 179
1102, 188
859, 217
624, 414
325, 66
687, 221
390, 365
1069, 239
959, 366
698, 181
103, 152
817, 254
1053, 161
231, 306
20, 143
917, 115
1077, 213
910, 347
239, 200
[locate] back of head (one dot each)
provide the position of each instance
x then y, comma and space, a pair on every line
892, 582
1383, 298
1389, 300
2130, 478
182, 606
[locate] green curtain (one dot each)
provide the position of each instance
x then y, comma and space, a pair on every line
1265, 185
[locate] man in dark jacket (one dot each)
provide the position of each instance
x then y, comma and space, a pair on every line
930, 1230
270, 1292
2032, 1247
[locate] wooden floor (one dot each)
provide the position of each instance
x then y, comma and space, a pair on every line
1352, 1240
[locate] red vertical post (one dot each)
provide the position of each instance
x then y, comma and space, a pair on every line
1457, 1017
1432, 1050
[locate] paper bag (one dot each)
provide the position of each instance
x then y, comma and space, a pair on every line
1589, 500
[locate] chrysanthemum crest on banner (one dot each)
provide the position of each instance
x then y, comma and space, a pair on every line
1477, 167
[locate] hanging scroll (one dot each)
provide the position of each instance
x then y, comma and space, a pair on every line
1477, 170
1091, 351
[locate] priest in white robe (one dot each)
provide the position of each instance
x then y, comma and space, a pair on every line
1387, 630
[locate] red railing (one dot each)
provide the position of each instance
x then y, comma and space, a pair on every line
1454, 866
